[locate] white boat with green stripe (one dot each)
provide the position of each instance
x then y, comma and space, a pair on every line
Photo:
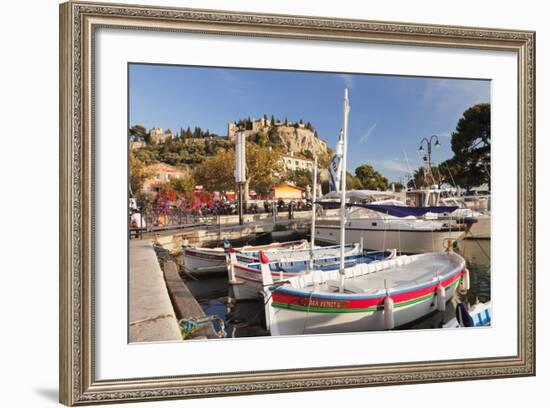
377, 296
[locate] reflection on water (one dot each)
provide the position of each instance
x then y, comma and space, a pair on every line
244, 319
477, 253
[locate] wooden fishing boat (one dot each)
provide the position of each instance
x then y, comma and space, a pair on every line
376, 296
248, 280
198, 260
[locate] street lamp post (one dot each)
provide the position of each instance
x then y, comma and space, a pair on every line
428, 157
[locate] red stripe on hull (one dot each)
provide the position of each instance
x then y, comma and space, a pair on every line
292, 299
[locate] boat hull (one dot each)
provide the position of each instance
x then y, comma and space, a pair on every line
294, 321
204, 261
481, 229
406, 241
249, 280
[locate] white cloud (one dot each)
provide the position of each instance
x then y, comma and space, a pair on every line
448, 96
368, 133
391, 164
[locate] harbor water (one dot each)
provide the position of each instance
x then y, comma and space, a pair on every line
244, 318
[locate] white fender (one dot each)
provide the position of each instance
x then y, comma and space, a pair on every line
232, 259
440, 298
466, 279
267, 281
462, 283
388, 313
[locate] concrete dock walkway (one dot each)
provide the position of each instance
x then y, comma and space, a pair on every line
152, 316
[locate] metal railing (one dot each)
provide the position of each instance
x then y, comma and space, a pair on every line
153, 219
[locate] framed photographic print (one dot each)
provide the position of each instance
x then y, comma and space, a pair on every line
256, 203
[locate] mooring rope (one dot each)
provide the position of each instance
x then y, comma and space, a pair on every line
152, 319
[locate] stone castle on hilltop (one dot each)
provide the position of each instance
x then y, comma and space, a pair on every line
294, 137
258, 125
158, 136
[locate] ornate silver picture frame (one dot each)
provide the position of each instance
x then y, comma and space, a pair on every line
79, 23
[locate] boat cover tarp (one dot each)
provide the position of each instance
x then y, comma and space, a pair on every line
405, 211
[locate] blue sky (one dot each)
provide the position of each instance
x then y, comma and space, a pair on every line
389, 114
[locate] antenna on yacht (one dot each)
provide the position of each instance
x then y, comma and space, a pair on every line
343, 192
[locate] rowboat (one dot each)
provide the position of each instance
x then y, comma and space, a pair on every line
376, 296
198, 260
476, 316
248, 280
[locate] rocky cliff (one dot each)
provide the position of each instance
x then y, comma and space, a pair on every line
292, 137
297, 140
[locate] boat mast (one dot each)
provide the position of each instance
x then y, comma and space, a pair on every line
313, 214
343, 192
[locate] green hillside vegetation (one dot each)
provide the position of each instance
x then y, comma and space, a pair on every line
192, 147
179, 152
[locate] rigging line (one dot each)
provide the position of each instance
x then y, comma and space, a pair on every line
480, 247
451, 174
486, 169
384, 239
399, 240
409, 167
438, 175
254, 318
433, 235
